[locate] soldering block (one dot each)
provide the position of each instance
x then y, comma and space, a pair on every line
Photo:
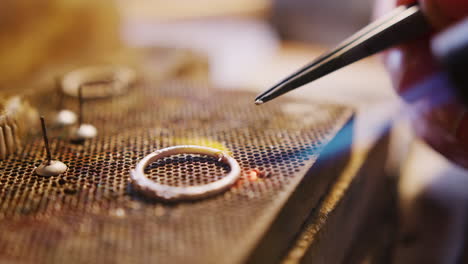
301, 145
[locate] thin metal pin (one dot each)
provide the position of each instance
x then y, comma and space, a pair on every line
49, 167
46, 141
83, 131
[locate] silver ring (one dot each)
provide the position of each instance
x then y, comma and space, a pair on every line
173, 193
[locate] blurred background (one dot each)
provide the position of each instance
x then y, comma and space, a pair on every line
254, 43
325, 22
249, 44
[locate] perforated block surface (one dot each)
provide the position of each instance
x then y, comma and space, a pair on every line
90, 214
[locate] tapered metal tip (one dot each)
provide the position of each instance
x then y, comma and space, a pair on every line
258, 102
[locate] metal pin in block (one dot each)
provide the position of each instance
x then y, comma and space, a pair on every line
83, 131
49, 167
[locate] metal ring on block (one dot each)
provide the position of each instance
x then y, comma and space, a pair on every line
115, 79
174, 193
